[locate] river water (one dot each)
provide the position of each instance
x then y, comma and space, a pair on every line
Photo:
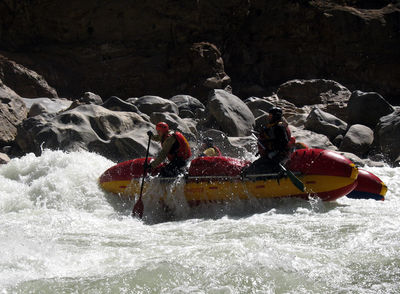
59, 233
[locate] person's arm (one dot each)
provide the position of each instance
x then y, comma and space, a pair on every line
169, 142
156, 137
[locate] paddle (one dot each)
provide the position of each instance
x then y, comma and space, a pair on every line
295, 180
138, 208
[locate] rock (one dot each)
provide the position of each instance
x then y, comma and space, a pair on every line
289, 109
12, 112
230, 113
298, 120
206, 70
324, 123
313, 140
91, 98
310, 92
187, 105
6, 92
328, 95
258, 113
354, 158
116, 104
186, 113
357, 140
36, 109
229, 146
115, 135
338, 140
397, 162
191, 124
48, 105
387, 134
258, 106
367, 108
24, 81
261, 122
4, 159
373, 163
149, 104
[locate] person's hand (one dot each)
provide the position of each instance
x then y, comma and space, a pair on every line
149, 133
146, 166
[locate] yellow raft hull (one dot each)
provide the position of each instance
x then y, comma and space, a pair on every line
327, 187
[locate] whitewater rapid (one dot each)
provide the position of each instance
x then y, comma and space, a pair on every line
60, 233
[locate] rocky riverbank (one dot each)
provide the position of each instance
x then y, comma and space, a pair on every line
321, 113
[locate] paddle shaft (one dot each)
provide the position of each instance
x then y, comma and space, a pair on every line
138, 207
295, 180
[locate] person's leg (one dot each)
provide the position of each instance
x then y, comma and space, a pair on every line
262, 165
173, 168
169, 170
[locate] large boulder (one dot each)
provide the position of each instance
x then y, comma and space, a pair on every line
205, 70
357, 140
231, 114
324, 123
387, 134
188, 105
116, 135
25, 82
12, 112
311, 139
332, 96
367, 108
149, 104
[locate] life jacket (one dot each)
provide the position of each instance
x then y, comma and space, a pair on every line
301, 145
180, 148
268, 139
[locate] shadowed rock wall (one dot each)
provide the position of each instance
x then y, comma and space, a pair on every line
134, 48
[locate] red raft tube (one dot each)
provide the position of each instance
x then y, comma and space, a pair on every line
369, 186
325, 173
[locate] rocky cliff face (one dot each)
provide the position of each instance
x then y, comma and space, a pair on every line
168, 47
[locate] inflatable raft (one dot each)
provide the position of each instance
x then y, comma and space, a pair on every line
324, 173
369, 186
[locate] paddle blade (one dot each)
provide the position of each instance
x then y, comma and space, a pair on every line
137, 210
295, 181
299, 184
